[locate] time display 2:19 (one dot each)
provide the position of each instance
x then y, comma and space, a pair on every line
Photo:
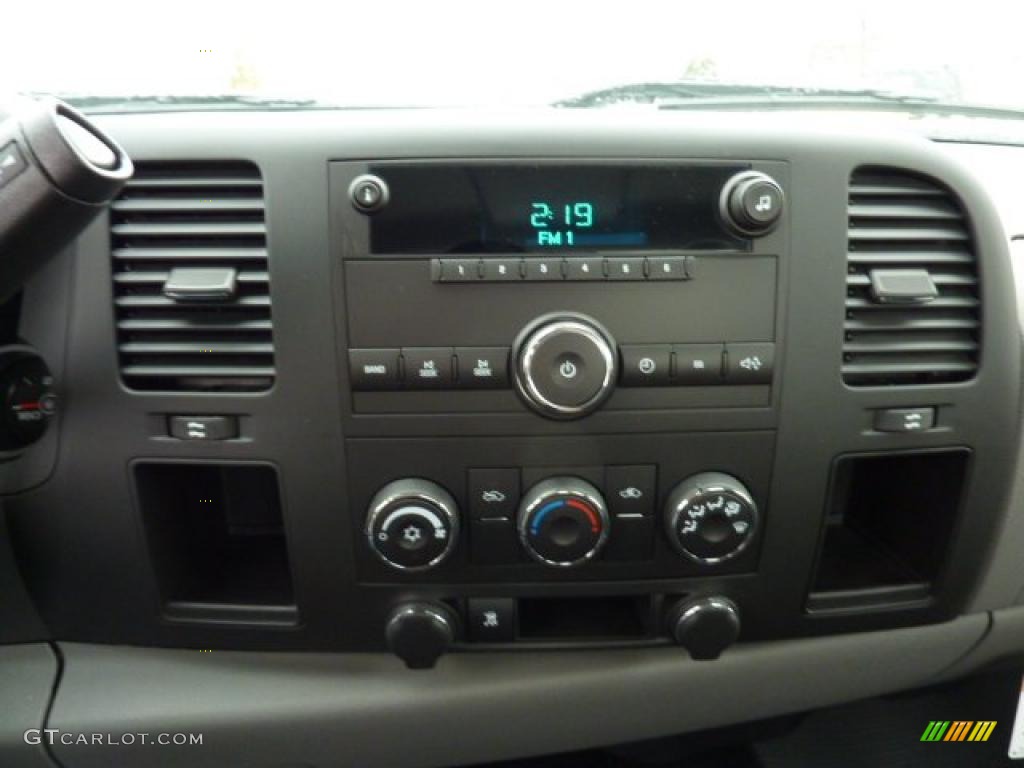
557, 226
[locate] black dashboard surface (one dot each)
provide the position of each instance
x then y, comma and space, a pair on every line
91, 539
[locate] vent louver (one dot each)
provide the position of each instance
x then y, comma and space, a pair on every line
181, 216
902, 223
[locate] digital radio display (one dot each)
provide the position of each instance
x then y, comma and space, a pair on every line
439, 209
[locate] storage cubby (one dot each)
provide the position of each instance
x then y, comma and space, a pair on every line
216, 537
889, 527
584, 618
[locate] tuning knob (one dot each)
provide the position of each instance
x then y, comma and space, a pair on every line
710, 517
412, 524
705, 626
565, 365
563, 522
420, 633
751, 203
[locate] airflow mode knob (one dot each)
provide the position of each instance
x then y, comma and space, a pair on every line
710, 517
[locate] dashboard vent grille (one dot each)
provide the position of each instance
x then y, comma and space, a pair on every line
901, 223
173, 217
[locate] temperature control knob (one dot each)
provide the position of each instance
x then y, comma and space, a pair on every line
563, 521
751, 203
412, 524
566, 365
710, 517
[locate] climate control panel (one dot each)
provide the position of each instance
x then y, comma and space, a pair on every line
563, 521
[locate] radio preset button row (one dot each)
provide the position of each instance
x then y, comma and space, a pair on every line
571, 269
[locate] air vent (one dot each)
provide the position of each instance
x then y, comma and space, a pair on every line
192, 222
913, 301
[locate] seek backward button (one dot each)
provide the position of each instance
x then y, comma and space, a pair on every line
428, 367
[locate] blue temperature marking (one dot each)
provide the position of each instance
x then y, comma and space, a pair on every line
535, 526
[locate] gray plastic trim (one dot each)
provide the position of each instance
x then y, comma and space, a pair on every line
27, 676
262, 709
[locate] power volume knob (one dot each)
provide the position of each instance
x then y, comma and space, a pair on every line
751, 203
566, 365
412, 524
563, 522
710, 517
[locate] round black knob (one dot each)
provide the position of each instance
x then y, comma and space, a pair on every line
751, 203
705, 626
563, 521
565, 365
29, 402
412, 524
420, 633
710, 517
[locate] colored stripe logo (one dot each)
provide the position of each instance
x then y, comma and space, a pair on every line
958, 730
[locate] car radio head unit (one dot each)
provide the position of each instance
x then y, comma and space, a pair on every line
440, 208
497, 286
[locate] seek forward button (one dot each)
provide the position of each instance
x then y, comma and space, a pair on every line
482, 367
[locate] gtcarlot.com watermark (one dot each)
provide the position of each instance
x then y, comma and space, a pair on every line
54, 736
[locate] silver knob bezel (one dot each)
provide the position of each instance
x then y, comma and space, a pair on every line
413, 490
562, 487
382, 186
707, 483
525, 350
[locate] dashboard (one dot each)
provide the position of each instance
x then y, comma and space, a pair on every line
691, 401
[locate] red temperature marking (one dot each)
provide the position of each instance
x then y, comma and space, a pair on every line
595, 524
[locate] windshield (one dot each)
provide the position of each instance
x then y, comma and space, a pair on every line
376, 53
